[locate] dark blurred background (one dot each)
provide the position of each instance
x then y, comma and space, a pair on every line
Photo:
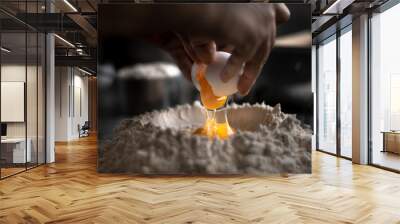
285, 78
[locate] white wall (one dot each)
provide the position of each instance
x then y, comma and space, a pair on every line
10, 73
80, 109
62, 81
33, 126
13, 101
70, 83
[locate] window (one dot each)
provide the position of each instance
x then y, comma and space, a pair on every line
327, 96
346, 92
385, 88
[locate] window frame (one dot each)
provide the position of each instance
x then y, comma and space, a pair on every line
347, 27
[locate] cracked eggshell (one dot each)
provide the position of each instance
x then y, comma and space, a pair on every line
213, 76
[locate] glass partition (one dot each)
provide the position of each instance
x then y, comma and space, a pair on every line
385, 89
35, 89
14, 153
327, 95
346, 93
22, 77
32, 95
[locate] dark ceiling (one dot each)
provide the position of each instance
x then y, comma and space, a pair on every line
78, 24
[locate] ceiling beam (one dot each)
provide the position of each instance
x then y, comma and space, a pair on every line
337, 7
81, 61
86, 27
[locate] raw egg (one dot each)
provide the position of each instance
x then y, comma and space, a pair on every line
213, 75
216, 125
209, 100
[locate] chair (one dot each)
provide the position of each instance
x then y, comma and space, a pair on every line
84, 130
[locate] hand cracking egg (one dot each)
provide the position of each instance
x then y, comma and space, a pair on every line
214, 94
213, 76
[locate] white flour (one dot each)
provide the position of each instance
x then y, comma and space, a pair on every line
267, 141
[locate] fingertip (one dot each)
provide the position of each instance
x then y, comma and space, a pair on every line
282, 13
205, 52
209, 57
243, 91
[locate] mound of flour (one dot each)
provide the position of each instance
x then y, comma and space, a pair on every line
267, 141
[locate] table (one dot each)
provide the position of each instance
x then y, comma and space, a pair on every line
13, 150
391, 141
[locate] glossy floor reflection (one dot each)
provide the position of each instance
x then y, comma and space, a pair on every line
71, 191
386, 159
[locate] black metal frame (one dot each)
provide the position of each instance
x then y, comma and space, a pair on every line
316, 98
369, 90
338, 98
26, 88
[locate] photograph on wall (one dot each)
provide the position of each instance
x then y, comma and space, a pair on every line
204, 89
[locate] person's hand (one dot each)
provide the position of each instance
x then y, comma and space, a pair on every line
252, 49
188, 51
247, 31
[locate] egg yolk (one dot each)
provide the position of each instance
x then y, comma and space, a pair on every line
209, 100
212, 128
